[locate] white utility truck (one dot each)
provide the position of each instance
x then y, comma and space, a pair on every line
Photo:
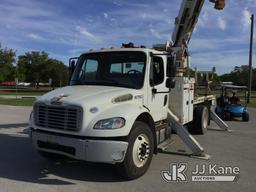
122, 104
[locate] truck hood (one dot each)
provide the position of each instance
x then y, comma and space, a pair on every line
86, 95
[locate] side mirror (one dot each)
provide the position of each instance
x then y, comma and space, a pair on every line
71, 69
72, 66
170, 83
171, 67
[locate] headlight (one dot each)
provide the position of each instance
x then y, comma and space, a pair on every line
112, 123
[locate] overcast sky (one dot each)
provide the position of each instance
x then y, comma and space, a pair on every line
66, 28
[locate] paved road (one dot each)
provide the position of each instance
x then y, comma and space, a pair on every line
22, 169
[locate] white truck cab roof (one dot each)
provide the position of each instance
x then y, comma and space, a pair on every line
146, 50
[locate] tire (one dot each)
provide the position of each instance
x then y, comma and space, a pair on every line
227, 116
201, 120
139, 153
50, 156
245, 116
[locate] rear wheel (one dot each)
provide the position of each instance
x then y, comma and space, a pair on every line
201, 120
139, 153
245, 116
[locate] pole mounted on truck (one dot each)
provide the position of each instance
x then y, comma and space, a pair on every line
185, 24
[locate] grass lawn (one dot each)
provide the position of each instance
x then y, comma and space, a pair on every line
240, 94
32, 93
26, 92
29, 102
41, 91
252, 103
17, 102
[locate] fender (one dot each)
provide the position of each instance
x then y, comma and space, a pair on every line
130, 111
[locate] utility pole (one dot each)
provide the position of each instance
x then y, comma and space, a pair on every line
250, 60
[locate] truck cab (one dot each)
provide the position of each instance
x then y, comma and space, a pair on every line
110, 111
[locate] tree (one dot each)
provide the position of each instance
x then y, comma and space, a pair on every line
239, 76
55, 70
30, 65
38, 67
7, 60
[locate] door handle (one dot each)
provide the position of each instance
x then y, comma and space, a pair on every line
165, 100
154, 91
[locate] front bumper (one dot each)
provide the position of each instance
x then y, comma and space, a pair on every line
93, 150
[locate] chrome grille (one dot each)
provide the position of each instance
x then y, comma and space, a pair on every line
58, 117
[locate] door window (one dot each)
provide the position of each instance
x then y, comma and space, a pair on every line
156, 71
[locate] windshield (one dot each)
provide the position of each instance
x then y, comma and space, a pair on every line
122, 69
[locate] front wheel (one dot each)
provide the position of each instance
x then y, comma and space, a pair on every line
139, 153
245, 116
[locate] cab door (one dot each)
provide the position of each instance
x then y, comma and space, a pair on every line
158, 93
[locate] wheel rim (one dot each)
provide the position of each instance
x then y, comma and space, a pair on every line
141, 150
205, 117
